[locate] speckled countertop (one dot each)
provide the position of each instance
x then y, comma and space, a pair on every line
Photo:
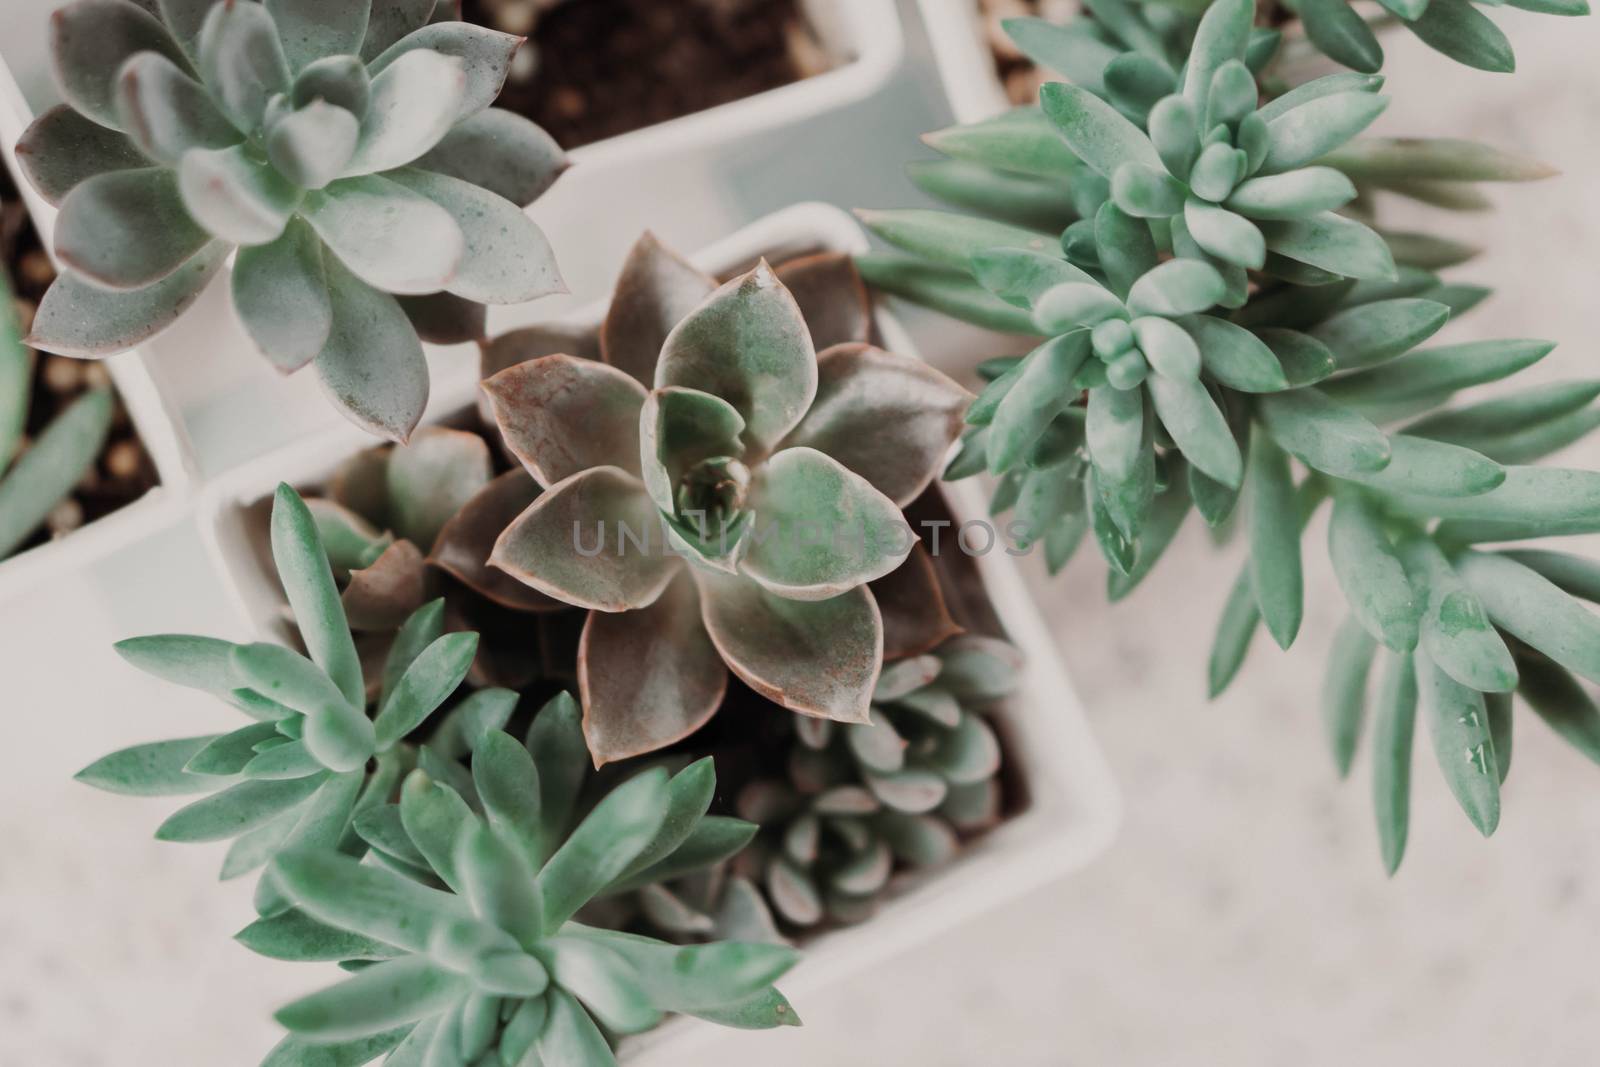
1242, 916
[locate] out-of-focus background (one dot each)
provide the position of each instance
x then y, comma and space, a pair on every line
1241, 917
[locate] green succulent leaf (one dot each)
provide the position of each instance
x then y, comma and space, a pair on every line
1333, 243
1558, 698
1465, 34
1456, 631
603, 845
1314, 128
1095, 131
302, 566
1459, 725
1535, 610
1393, 728
1341, 34
1275, 575
242, 62
1344, 691
151, 770
57, 461
1370, 573
1324, 435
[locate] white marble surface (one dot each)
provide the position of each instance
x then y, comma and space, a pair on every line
1241, 918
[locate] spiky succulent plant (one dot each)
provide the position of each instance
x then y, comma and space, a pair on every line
36, 480
1188, 366
465, 929
718, 494
314, 758
345, 149
861, 800
1084, 49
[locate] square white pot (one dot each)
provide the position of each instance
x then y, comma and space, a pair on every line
964, 59
158, 430
862, 37
1071, 807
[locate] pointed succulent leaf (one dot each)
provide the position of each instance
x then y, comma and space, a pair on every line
485, 57
946, 289
297, 937
313, 598
1370, 573
390, 20
570, 1036
90, 41
431, 479
372, 365
1176, 287
1475, 423
1234, 356
1197, 426
889, 418
435, 818
1240, 617
775, 645
313, 145
203, 663
1022, 141
1387, 159
1300, 192
1021, 277
430, 679
1096, 132
549, 545
151, 770
1372, 333
649, 677
294, 1051
280, 293
63, 148
800, 490
603, 845
656, 290
1459, 725
1146, 192
1079, 56
1061, 308
1322, 434
1114, 431
1421, 467
166, 112
1313, 129
1333, 243
1441, 370
1172, 353
1344, 691
340, 80
508, 787
388, 236
560, 416
242, 62
1275, 573
415, 101
385, 995
1229, 237
1576, 575
79, 318
127, 229
228, 754
55, 461
508, 259
603, 980
747, 344
236, 198
1043, 388
1341, 34
1531, 502
1394, 724
1534, 610
1456, 631
1465, 34
499, 881
235, 810
501, 151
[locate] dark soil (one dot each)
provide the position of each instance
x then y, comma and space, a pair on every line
123, 473
597, 68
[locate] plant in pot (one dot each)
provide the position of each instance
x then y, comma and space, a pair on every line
344, 158
1191, 244
500, 879
68, 451
994, 52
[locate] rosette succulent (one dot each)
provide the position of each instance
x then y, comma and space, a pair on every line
344, 153
718, 494
405, 523
314, 758
464, 932
861, 800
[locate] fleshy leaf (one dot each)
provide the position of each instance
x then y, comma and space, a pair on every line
1275, 574
1095, 131
236, 198
778, 646
388, 236
372, 365
127, 229
77, 318
1459, 725
1370, 573
165, 112
89, 42
1456, 632
561, 415
415, 101
501, 151
280, 293
242, 62
508, 259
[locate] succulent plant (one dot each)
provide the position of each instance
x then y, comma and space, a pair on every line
861, 800
1455, 28
314, 758
32, 483
346, 150
464, 930
718, 494
404, 524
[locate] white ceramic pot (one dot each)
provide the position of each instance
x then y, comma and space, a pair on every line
963, 58
158, 430
1071, 808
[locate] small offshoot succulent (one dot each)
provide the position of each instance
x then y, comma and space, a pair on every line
718, 494
32, 483
403, 524
862, 800
344, 153
314, 758
463, 932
